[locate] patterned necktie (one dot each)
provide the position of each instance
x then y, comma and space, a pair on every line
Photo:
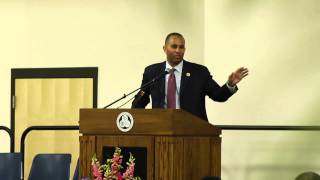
171, 90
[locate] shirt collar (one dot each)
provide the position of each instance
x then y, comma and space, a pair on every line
178, 67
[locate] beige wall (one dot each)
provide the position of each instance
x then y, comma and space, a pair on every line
121, 37
277, 40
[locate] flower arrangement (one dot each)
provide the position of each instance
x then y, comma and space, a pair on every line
111, 170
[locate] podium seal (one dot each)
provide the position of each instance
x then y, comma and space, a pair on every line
125, 121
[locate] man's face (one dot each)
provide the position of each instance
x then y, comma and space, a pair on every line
174, 49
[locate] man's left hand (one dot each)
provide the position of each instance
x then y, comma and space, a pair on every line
237, 76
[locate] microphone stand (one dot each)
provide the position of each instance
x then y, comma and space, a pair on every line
143, 86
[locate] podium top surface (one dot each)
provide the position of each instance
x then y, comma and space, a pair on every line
155, 122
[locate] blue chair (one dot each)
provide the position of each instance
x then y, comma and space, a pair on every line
50, 167
10, 166
211, 178
76, 172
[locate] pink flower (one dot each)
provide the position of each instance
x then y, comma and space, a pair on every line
98, 178
112, 169
129, 174
119, 177
96, 170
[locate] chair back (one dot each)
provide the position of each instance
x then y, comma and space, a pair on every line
10, 166
211, 178
50, 167
76, 172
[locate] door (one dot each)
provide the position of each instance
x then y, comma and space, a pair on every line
49, 97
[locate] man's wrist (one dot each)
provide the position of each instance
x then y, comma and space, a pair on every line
231, 88
230, 85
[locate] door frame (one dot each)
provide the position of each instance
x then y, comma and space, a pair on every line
43, 73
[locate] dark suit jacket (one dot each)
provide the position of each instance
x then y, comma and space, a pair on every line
193, 89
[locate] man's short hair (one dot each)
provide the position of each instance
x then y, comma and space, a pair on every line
308, 176
173, 34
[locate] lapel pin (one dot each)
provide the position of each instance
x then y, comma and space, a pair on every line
188, 74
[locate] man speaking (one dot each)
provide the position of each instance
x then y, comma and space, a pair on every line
179, 84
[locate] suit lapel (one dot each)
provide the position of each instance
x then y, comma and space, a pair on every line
185, 76
162, 82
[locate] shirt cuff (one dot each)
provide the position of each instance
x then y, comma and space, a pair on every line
232, 89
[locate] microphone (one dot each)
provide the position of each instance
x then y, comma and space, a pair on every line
141, 93
137, 98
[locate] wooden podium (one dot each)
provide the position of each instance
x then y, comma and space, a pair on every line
179, 145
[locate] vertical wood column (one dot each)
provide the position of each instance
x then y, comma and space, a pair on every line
87, 150
215, 160
169, 158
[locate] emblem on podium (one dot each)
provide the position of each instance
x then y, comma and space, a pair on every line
125, 121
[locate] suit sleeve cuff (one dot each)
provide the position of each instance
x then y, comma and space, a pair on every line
232, 89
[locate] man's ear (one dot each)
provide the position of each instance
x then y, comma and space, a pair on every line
164, 48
